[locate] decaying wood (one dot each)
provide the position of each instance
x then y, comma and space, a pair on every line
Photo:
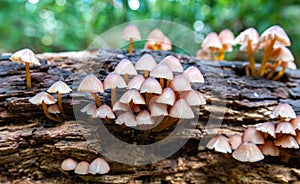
32, 148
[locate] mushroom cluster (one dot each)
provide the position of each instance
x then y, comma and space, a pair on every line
97, 166
153, 92
262, 139
274, 42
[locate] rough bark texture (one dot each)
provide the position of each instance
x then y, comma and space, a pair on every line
32, 147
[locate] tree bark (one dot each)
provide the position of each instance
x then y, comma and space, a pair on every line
32, 147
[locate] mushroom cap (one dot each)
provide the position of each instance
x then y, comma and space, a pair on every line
133, 95
180, 83
59, 87
173, 63
125, 67
275, 32
118, 106
267, 127
25, 56
146, 62
212, 40
282, 54
202, 54
227, 39
182, 110
296, 122
193, 74
104, 111
53, 109
114, 80
90, 109
90, 84
269, 148
144, 118
131, 31
248, 34
128, 118
248, 152
82, 168
283, 110
68, 164
157, 36
167, 96
162, 71
285, 128
252, 135
136, 82
157, 109
235, 141
220, 143
42, 96
99, 165
151, 85
287, 141
193, 97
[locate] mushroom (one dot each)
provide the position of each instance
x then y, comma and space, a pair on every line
157, 109
268, 128
287, 141
167, 97
180, 83
99, 165
89, 109
162, 71
235, 141
202, 54
182, 110
156, 40
249, 41
150, 86
248, 152
227, 40
60, 88
193, 97
136, 82
274, 35
118, 106
145, 63
212, 44
54, 109
82, 168
131, 33
27, 57
220, 143
105, 112
113, 81
128, 118
93, 85
285, 128
144, 118
173, 63
125, 67
269, 148
44, 99
193, 74
252, 135
132, 95
68, 164
283, 111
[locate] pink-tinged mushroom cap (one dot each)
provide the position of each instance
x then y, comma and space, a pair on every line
219, 143
227, 39
69, 164
296, 122
235, 141
91, 84
162, 71
157, 109
104, 111
125, 67
126, 118
252, 135
282, 54
53, 109
202, 54
167, 97
287, 141
285, 128
173, 63
180, 83
193, 97
269, 148
59, 87
283, 111
25, 56
212, 40
90, 109
182, 110
193, 74
151, 85
42, 96
118, 106
157, 39
275, 32
144, 118
146, 62
131, 32
248, 34
114, 80
132, 95
136, 82
99, 165
82, 168
248, 152
267, 127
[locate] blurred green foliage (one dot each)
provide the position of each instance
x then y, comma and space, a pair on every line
60, 25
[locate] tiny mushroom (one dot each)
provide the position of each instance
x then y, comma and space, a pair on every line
60, 88
180, 83
156, 40
136, 82
125, 67
44, 99
82, 168
131, 33
144, 118
112, 81
269, 148
132, 95
212, 44
118, 106
248, 152
126, 118
287, 141
162, 71
150, 86
193, 74
235, 141
227, 40
68, 164
202, 54
89, 109
193, 97
285, 128
167, 97
252, 135
105, 112
157, 109
145, 63
220, 143
99, 165
173, 63
268, 128
296, 122
26, 57
182, 110
283, 111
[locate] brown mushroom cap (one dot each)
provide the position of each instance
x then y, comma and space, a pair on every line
133, 95
162, 71
173, 63
82, 168
193, 97
157, 109
42, 96
180, 83
90, 109
193, 74
68, 164
25, 56
252, 135
128, 118
59, 87
269, 148
283, 111
285, 128
212, 40
287, 141
275, 32
104, 111
267, 127
151, 85
90, 84
99, 165
220, 143
146, 62
131, 32
114, 80
182, 110
167, 97
125, 67
248, 152
235, 141
144, 118
53, 109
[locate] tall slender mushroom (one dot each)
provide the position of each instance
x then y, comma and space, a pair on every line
113, 81
212, 44
60, 88
93, 85
131, 33
44, 99
145, 63
125, 67
27, 57
227, 40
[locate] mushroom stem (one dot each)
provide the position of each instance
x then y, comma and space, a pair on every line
28, 78
126, 78
98, 102
45, 109
162, 82
59, 101
113, 96
212, 56
221, 55
270, 75
148, 96
156, 46
247, 70
146, 74
280, 74
130, 46
251, 58
267, 53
